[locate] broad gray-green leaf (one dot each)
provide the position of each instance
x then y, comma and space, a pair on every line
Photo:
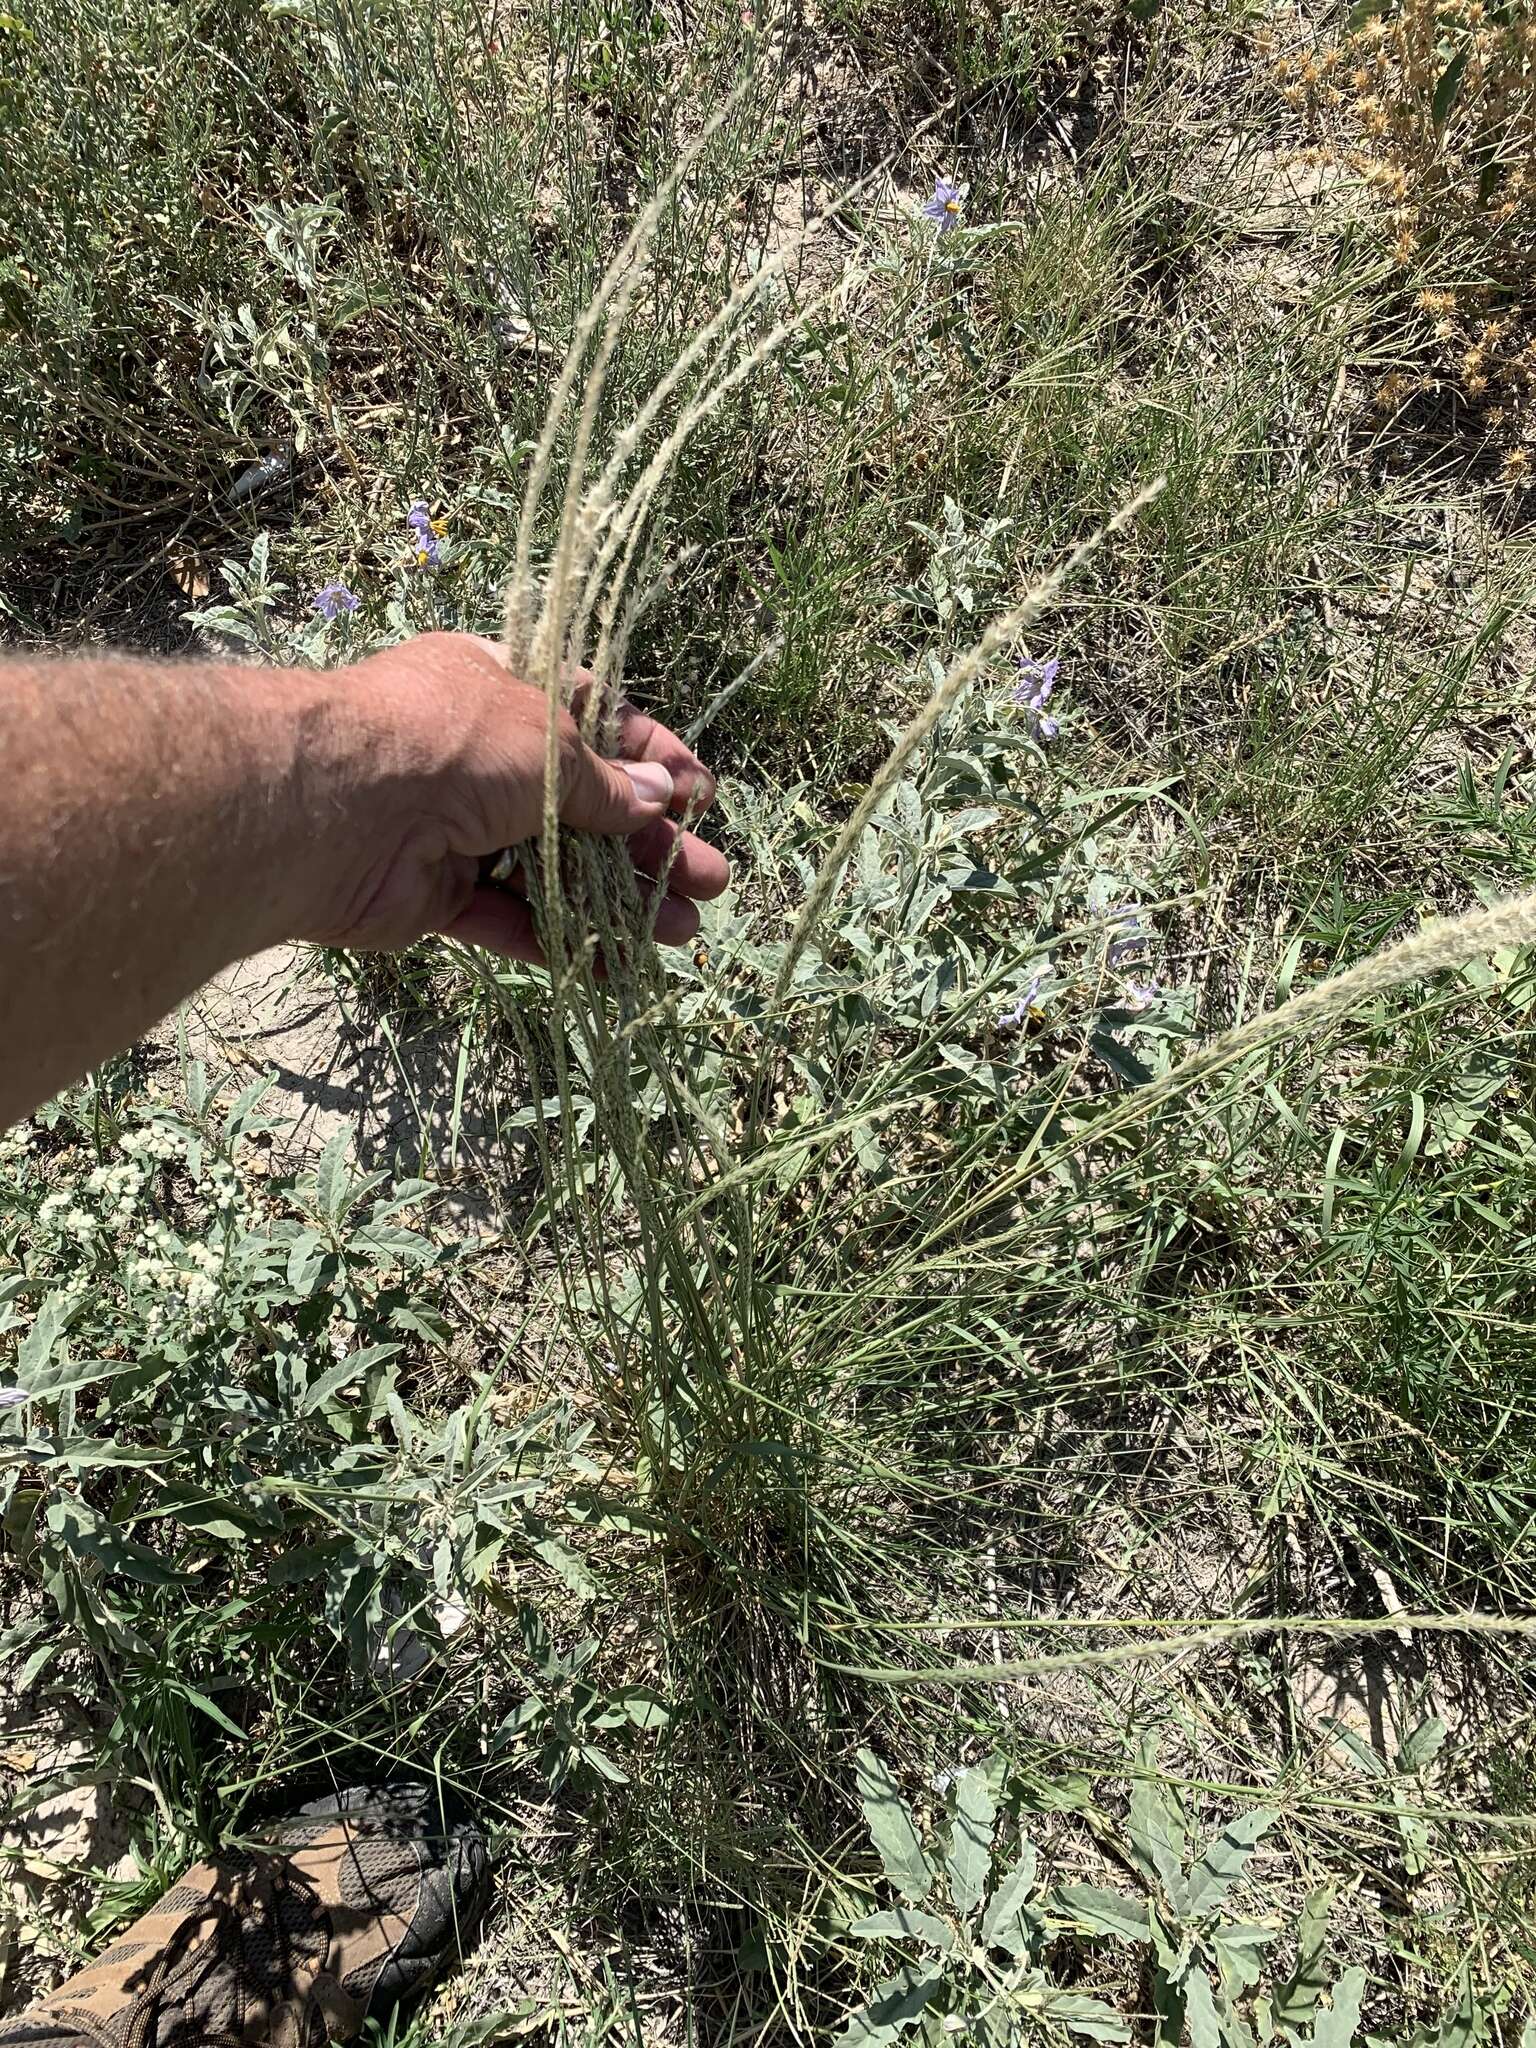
892, 1829
66, 1375
641, 1708
1222, 1863
306, 1256
905, 1923
1420, 1749
1099, 1911
1468, 2025
566, 1566
1200, 2011
1299, 1996
1005, 1924
1156, 1828
35, 1351
1089, 2017
342, 1374
1239, 1946
86, 1534
1336, 2023
331, 1178
899, 2002
970, 1842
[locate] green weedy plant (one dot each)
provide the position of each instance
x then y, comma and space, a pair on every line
979, 1971
219, 1429
563, 1717
1203, 1961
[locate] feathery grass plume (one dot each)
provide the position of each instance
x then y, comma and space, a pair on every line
628, 522
1246, 1628
1441, 943
625, 271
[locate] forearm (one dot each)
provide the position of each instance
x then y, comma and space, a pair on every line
157, 822
160, 820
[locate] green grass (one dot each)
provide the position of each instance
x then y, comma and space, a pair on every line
787, 1391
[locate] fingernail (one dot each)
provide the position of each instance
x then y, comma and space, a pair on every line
653, 785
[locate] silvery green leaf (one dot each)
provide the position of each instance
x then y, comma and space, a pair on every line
970, 1841
1336, 2023
35, 1351
1468, 2025
1100, 1911
1238, 1944
1222, 1862
331, 1179
905, 1922
899, 2002
240, 1119
84, 1533
1005, 1924
1156, 1828
305, 1259
342, 1374
66, 1375
1423, 1745
1200, 2011
892, 1829
1298, 1998
566, 1566
641, 1708
1088, 2017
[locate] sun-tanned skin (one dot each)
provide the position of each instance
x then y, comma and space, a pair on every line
160, 820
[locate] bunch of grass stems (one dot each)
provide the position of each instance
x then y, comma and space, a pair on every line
671, 1234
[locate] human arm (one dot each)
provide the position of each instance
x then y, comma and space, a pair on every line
160, 820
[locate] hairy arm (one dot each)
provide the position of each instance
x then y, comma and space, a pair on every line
159, 820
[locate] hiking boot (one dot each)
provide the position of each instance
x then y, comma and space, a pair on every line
350, 1906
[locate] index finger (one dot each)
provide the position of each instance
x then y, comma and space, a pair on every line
645, 739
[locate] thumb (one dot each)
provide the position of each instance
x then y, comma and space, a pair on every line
613, 796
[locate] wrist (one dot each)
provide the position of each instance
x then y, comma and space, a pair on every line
324, 763
368, 752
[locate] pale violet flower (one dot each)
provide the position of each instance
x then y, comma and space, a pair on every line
943, 209
332, 600
1018, 1014
12, 1397
1130, 936
1033, 691
426, 536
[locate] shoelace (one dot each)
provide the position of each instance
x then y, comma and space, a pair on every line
140, 2022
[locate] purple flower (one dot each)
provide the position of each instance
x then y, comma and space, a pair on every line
1140, 995
1037, 680
1132, 937
426, 536
12, 1397
334, 599
1018, 1014
943, 209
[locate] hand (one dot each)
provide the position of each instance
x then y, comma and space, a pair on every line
452, 751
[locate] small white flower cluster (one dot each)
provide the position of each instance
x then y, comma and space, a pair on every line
169, 1268
151, 1141
16, 1144
62, 1213
119, 1187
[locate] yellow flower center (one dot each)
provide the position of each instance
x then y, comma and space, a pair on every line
951, 206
